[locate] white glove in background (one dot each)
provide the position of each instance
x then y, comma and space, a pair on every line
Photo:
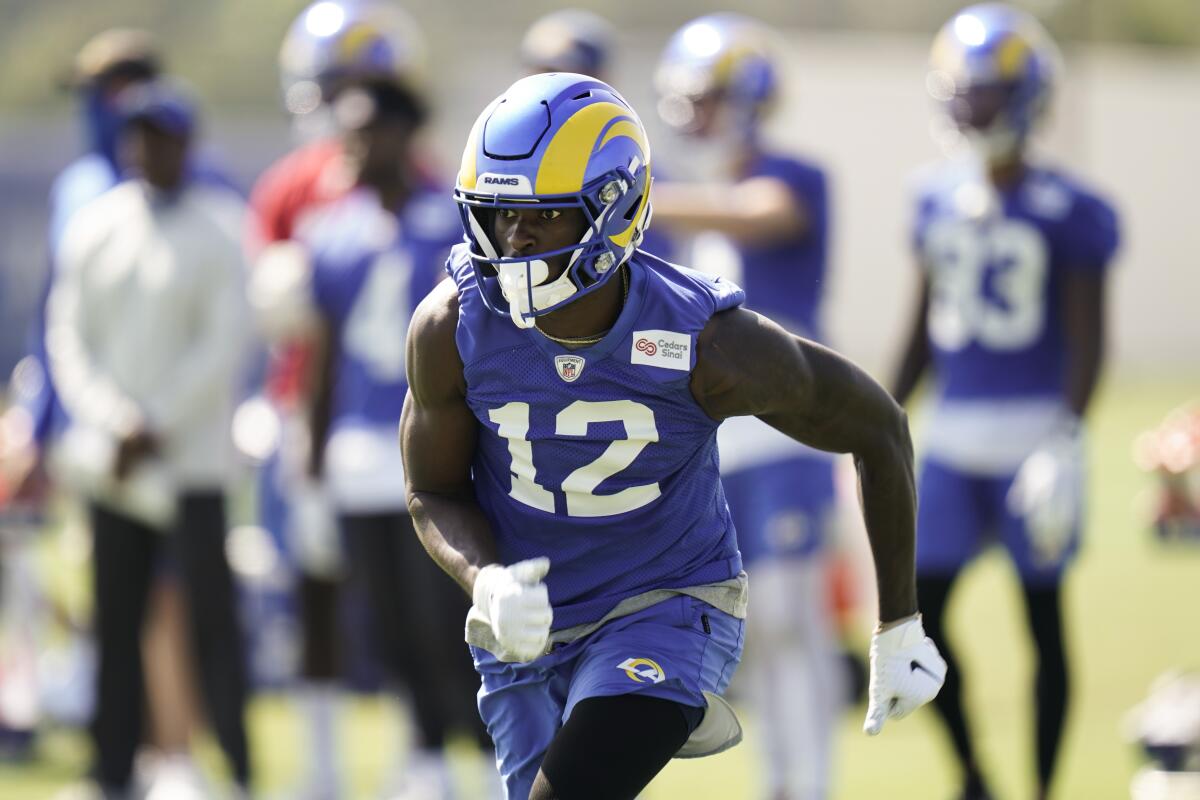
312, 529
514, 601
906, 673
1048, 491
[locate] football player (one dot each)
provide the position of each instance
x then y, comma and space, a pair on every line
763, 218
145, 332
109, 63
569, 40
372, 255
330, 43
1014, 256
559, 442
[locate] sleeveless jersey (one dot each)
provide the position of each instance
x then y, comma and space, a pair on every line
600, 458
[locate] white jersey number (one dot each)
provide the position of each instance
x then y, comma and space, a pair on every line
580, 486
988, 284
378, 323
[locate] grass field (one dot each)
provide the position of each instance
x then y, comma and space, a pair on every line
1132, 614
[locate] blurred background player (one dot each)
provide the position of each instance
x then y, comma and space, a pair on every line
570, 40
762, 220
1014, 257
371, 256
107, 64
377, 49
145, 331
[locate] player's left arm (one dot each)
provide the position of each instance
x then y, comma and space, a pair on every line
748, 365
1083, 298
759, 210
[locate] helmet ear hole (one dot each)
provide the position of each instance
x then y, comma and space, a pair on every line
633, 209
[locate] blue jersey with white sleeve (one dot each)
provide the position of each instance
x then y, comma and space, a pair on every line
997, 262
600, 458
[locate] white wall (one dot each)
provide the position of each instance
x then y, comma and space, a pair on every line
1127, 121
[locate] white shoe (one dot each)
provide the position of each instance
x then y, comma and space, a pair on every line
176, 777
425, 777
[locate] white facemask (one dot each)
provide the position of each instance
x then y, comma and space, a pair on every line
515, 278
996, 144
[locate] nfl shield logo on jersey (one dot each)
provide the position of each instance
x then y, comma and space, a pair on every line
569, 367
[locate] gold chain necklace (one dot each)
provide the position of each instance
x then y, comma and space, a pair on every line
584, 341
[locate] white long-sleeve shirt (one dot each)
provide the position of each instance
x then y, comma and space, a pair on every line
147, 322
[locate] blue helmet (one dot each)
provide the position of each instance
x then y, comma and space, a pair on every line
335, 40
558, 140
569, 40
724, 56
992, 71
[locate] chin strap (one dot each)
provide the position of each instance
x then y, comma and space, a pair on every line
520, 284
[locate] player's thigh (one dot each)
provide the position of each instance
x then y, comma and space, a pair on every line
594, 757
951, 517
677, 650
522, 708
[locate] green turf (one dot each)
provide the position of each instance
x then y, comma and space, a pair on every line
1131, 615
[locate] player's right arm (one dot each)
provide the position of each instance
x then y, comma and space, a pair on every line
437, 436
916, 357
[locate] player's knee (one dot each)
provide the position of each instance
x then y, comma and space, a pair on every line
542, 790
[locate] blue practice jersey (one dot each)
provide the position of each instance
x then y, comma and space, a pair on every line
600, 458
997, 265
370, 270
786, 280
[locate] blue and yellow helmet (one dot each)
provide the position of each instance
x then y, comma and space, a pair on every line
726, 56
555, 140
992, 71
335, 40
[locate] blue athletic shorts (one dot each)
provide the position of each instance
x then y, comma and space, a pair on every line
676, 650
781, 508
960, 513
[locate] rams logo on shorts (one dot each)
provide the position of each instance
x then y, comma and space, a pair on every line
642, 670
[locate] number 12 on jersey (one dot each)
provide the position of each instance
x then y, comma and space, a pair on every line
579, 487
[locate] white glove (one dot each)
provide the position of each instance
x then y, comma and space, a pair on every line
312, 530
515, 602
1048, 491
906, 673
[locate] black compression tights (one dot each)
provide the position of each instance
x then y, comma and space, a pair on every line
1043, 606
611, 747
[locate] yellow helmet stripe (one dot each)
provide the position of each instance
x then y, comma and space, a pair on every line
627, 128
467, 174
566, 158
1011, 57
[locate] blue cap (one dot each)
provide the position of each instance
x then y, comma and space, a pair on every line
161, 103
